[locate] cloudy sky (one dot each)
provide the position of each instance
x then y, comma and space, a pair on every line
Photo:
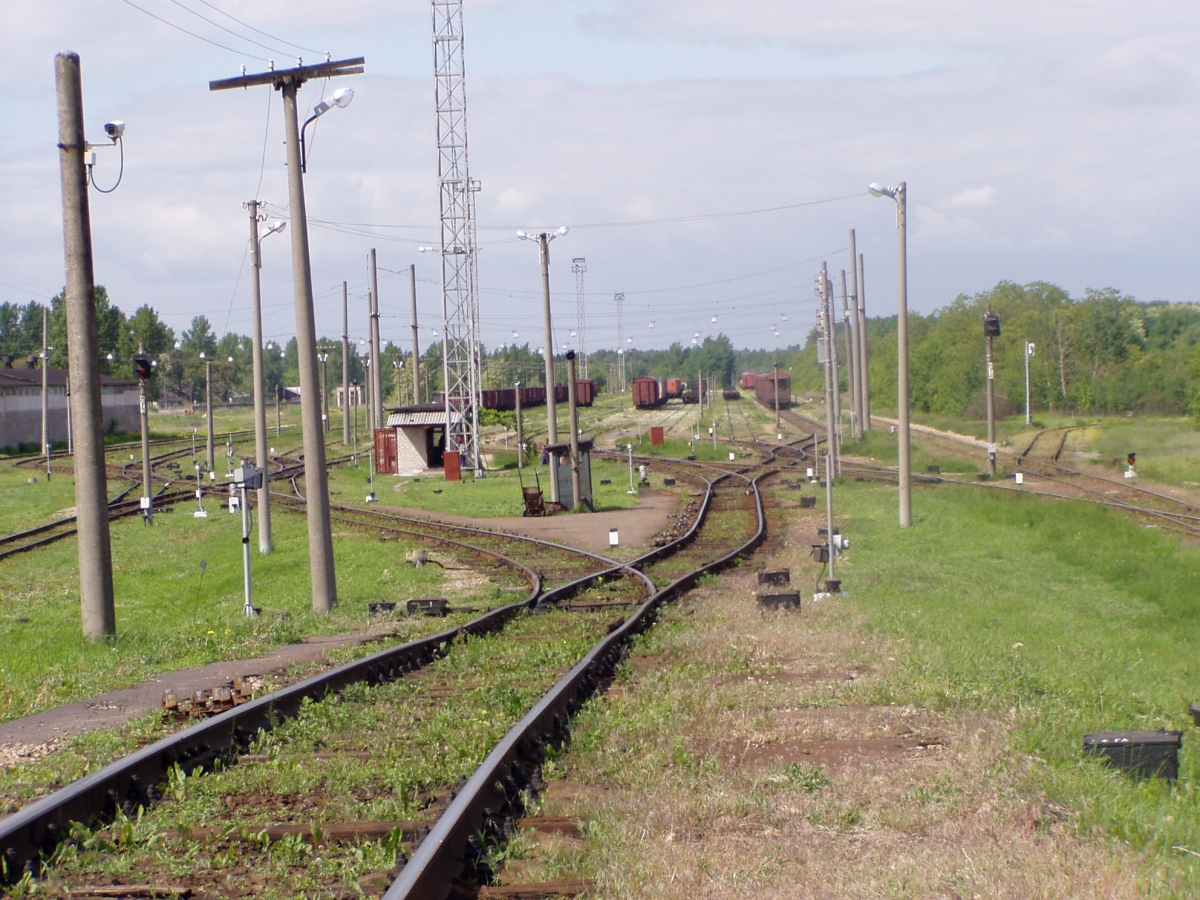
1052, 140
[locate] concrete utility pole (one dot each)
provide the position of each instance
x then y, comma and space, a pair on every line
849, 317
835, 435
899, 193
345, 366
211, 445
830, 390
551, 411
376, 369
520, 429
261, 455
46, 386
316, 480
91, 483
864, 396
416, 363
776, 379
573, 417
1029, 408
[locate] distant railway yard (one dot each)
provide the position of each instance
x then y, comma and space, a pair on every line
667, 694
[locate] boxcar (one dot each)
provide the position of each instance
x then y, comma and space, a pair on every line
674, 388
764, 390
585, 391
646, 393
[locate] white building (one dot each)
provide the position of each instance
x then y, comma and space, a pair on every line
21, 404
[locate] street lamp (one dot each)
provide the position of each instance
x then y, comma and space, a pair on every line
899, 193
341, 99
265, 543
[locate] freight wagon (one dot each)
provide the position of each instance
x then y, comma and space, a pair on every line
647, 393
505, 399
674, 388
748, 379
765, 391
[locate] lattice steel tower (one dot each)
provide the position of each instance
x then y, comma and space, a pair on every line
579, 266
620, 300
460, 279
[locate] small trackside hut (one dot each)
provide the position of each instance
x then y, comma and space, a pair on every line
413, 442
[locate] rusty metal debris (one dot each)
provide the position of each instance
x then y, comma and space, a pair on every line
204, 702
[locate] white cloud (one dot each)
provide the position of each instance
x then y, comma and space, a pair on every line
974, 197
1037, 143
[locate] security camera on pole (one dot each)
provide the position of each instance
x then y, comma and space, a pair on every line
991, 329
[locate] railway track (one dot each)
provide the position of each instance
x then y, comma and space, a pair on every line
1046, 478
121, 506
385, 684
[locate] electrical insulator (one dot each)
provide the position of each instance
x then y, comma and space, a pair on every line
142, 367
991, 325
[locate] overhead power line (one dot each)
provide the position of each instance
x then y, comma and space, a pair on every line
198, 37
273, 37
230, 31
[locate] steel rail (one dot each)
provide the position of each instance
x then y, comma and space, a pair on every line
33, 832
496, 785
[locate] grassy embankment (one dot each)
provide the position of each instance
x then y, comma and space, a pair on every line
171, 612
1043, 619
1059, 618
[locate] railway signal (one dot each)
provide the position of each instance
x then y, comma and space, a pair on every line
991, 329
1131, 459
143, 368
1029, 348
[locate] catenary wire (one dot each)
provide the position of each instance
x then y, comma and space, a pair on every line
273, 37
192, 33
204, 18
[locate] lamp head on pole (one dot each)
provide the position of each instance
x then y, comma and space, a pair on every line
340, 98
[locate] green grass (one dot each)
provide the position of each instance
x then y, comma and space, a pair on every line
24, 505
1167, 448
882, 447
497, 494
1054, 619
170, 613
677, 448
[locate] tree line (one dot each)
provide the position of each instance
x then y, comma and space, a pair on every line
1103, 353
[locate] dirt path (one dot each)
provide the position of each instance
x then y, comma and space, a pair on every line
587, 531
749, 755
31, 736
